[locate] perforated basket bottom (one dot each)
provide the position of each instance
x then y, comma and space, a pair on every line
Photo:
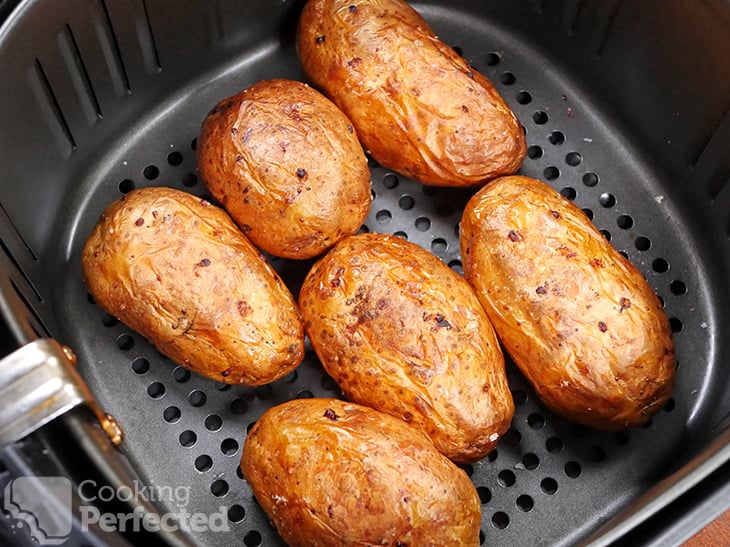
548, 481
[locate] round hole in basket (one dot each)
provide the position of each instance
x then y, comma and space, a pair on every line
557, 138
172, 414
174, 158
390, 181
189, 180
203, 463
126, 186
213, 422
507, 78
188, 439
573, 469
181, 374
590, 179
678, 288
642, 243
156, 390
229, 447
485, 495
540, 117
383, 216
519, 397
500, 520
239, 406
506, 478
530, 461
607, 200
551, 173
549, 486
534, 152
219, 488
554, 444
406, 203
140, 365
493, 59
151, 172
197, 398
525, 503
252, 539
660, 265
524, 97
536, 420
125, 342
236, 513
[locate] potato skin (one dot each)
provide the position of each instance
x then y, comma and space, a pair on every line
287, 165
578, 318
418, 107
401, 332
177, 270
332, 473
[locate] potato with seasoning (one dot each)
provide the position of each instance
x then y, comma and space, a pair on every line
287, 165
177, 270
332, 473
577, 317
401, 332
418, 107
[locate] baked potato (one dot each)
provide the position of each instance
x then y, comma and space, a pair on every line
287, 165
401, 332
578, 318
332, 473
418, 107
177, 270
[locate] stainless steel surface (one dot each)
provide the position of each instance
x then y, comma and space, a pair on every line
37, 383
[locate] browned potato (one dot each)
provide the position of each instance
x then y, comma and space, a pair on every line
287, 165
418, 107
178, 271
577, 317
331, 473
401, 332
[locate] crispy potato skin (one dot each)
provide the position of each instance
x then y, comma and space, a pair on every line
331, 473
401, 332
418, 107
177, 270
578, 318
286, 164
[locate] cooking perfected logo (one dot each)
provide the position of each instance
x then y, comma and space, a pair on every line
45, 505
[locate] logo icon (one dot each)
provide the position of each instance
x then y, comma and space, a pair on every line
44, 504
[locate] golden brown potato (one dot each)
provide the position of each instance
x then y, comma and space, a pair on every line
577, 317
331, 473
178, 271
401, 332
418, 107
287, 165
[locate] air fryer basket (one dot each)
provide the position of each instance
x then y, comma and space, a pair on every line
625, 107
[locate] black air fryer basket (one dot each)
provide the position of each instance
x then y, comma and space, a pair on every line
626, 109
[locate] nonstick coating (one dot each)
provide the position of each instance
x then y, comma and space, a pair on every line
548, 481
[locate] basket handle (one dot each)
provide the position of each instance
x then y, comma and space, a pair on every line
38, 383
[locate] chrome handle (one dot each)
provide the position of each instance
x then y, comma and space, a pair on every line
38, 383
